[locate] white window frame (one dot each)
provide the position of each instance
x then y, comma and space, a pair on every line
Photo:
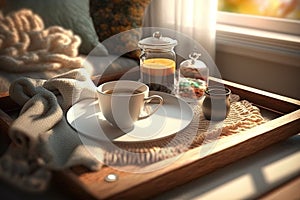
271, 39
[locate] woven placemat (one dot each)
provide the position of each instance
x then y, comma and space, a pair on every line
242, 116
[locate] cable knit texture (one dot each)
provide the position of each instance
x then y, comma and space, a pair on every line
42, 139
25, 46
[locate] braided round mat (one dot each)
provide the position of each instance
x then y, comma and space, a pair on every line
242, 116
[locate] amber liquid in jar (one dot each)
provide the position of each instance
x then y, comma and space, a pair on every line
159, 74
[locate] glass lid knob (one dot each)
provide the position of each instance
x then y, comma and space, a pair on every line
194, 56
157, 35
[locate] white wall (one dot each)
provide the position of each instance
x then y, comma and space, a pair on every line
279, 78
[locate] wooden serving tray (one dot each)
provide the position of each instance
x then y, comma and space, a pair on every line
285, 121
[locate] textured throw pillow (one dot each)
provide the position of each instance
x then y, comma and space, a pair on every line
111, 17
70, 14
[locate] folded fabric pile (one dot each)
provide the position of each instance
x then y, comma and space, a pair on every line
26, 46
41, 138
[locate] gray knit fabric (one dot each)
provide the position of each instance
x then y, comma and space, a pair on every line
41, 138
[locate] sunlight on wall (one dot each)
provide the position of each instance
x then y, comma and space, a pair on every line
282, 169
243, 187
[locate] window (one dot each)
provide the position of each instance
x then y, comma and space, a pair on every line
272, 8
245, 26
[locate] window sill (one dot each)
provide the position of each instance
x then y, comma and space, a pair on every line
255, 42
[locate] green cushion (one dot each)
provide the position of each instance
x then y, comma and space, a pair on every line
70, 14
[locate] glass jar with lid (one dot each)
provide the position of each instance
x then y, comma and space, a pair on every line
158, 62
193, 78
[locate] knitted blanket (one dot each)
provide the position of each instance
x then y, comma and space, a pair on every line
27, 47
41, 138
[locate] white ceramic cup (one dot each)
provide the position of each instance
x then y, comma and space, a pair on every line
122, 102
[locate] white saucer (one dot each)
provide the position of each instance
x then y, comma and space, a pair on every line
175, 114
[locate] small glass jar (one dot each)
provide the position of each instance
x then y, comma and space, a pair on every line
158, 62
193, 78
